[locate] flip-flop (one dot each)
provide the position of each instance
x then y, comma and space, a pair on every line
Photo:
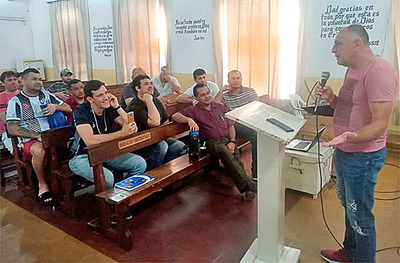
46, 198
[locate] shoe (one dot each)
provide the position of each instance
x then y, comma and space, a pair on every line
128, 216
46, 198
249, 196
333, 256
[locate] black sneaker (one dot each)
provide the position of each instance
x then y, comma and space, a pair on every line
128, 216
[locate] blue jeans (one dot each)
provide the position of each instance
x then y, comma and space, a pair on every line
162, 152
356, 179
129, 162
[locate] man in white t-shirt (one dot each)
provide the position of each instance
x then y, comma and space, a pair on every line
200, 77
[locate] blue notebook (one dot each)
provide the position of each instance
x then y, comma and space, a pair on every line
134, 181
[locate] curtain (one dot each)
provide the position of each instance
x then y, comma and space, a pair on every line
71, 37
396, 21
220, 42
136, 37
301, 60
253, 43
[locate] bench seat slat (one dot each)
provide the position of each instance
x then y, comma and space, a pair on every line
163, 176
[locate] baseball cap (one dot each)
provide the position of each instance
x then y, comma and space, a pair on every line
65, 72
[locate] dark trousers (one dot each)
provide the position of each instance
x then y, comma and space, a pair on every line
244, 132
232, 162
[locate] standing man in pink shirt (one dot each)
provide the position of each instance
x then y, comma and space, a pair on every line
10, 82
363, 109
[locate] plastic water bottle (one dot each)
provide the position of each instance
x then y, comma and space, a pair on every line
194, 145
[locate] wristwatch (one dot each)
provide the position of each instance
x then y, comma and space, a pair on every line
117, 108
232, 141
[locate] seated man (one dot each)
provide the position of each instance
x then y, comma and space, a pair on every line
9, 80
200, 77
234, 96
165, 83
19, 79
77, 97
26, 119
219, 133
149, 112
60, 89
93, 120
128, 92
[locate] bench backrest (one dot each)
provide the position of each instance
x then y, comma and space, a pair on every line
53, 138
112, 149
116, 90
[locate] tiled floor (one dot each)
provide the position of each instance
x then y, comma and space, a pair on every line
204, 220
27, 238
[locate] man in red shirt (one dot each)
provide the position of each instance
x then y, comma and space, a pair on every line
219, 133
77, 95
10, 82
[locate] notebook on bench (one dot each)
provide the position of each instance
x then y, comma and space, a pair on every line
304, 146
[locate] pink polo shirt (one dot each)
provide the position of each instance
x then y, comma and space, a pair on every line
4, 99
374, 82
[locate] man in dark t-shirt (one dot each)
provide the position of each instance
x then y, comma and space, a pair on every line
149, 112
93, 121
128, 92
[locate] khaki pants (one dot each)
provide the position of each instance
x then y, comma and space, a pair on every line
232, 163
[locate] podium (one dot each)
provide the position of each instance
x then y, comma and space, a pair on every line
269, 244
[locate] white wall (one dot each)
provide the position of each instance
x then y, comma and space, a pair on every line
191, 50
40, 23
318, 48
16, 38
100, 15
32, 40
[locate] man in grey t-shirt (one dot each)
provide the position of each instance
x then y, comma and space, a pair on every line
200, 77
165, 83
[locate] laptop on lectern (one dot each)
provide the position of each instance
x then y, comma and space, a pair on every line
304, 146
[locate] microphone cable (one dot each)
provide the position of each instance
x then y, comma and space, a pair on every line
321, 184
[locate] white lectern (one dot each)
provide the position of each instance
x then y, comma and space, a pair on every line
269, 245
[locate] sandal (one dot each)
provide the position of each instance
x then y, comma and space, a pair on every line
46, 198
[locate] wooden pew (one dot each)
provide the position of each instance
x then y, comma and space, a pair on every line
164, 175
24, 169
62, 179
121, 199
116, 90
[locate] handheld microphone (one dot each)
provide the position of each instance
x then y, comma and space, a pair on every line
324, 78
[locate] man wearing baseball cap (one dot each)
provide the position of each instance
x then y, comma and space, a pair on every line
60, 89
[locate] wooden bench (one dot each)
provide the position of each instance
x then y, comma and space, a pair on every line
116, 90
62, 179
164, 175
7, 163
24, 169
121, 200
